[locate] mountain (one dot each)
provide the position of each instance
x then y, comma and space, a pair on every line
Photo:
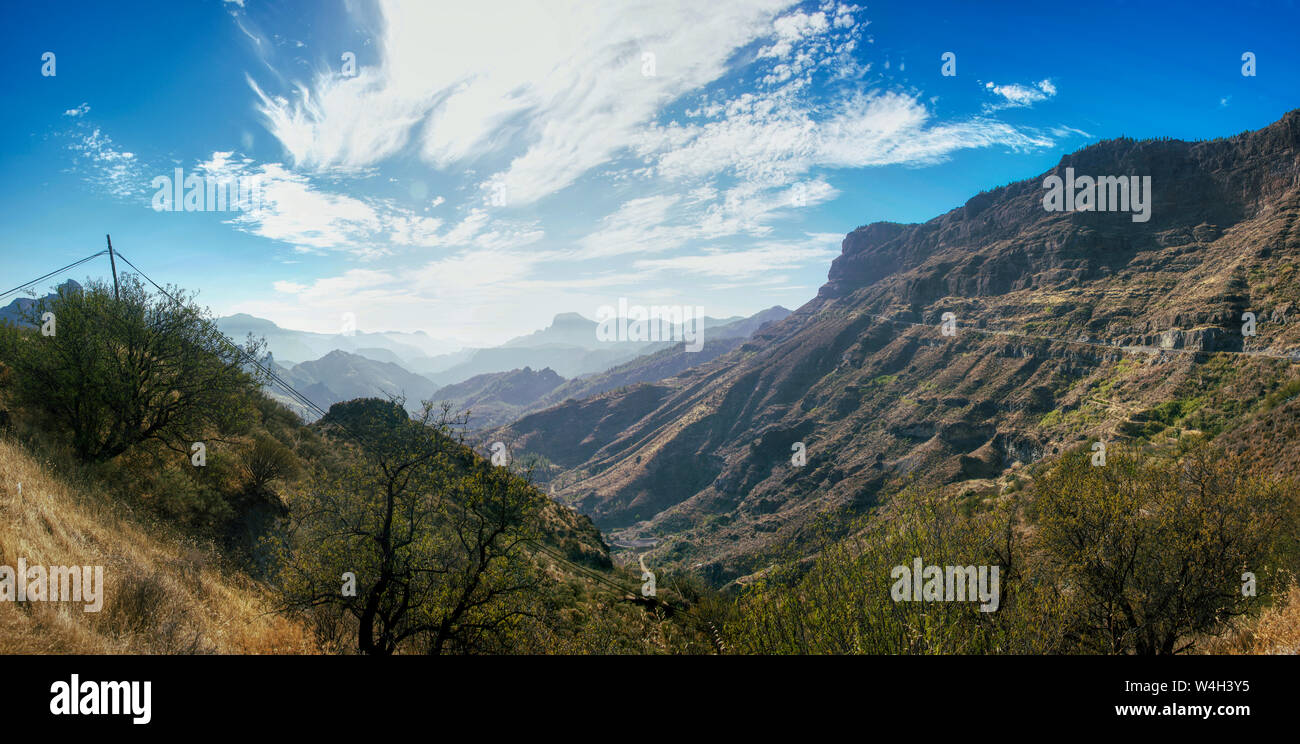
665, 363
501, 397
745, 327
340, 376
16, 312
1070, 326
380, 355
498, 398
567, 361
494, 395
299, 346
569, 346
572, 329
566, 329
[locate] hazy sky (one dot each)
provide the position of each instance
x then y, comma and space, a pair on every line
484, 165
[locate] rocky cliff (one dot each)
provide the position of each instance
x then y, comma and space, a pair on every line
1068, 326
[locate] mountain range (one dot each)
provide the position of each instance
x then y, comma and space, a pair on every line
1065, 327
290, 346
500, 393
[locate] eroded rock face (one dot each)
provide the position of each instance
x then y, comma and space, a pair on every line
706, 461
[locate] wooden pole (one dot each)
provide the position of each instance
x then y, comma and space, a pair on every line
113, 262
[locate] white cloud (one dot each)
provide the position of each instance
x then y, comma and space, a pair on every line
115, 171
556, 86
771, 146
469, 296
792, 28
1020, 95
762, 259
81, 110
297, 212
781, 136
776, 139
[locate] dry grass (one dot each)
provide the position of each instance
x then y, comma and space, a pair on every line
1278, 628
162, 594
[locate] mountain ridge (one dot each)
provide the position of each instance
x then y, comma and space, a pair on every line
704, 461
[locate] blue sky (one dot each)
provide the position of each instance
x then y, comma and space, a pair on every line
490, 165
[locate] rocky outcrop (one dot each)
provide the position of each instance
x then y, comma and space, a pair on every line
1067, 324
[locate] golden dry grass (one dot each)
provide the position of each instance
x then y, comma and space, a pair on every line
161, 594
1275, 630
1278, 629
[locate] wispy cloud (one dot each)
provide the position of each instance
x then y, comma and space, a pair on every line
760, 260
752, 158
102, 163
295, 211
1014, 94
560, 89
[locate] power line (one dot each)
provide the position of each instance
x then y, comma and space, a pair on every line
312, 407
292, 392
72, 265
315, 408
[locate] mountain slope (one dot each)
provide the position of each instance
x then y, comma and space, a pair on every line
162, 595
499, 398
1046, 304
340, 376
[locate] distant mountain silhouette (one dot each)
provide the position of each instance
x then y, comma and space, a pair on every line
496, 398
17, 312
497, 384
340, 376
290, 346
570, 347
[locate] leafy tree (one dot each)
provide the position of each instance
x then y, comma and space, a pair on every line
842, 602
433, 535
1148, 553
265, 461
117, 373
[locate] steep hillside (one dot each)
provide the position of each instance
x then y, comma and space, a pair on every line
1069, 325
497, 398
163, 593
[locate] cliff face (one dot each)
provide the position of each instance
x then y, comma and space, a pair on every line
1045, 304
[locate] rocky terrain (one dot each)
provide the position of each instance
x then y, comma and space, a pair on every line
1069, 326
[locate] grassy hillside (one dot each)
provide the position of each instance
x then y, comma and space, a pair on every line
164, 593
143, 443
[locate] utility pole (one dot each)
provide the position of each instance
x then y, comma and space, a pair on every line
112, 262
